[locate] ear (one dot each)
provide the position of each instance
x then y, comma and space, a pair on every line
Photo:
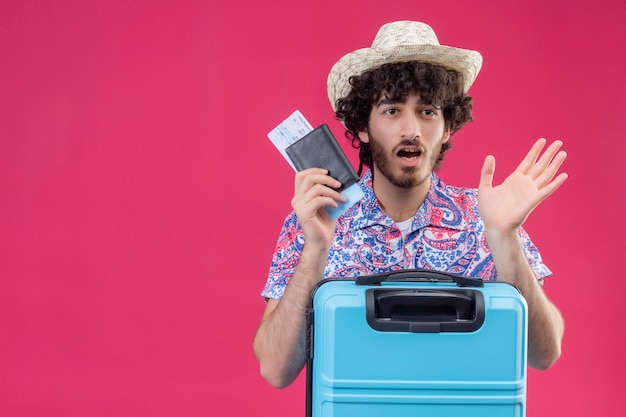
446, 136
364, 136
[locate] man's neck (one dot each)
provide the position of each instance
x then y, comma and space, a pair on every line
399, 203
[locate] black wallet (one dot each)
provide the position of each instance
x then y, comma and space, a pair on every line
319, 149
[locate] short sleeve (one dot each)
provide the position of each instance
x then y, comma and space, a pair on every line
533, 256
286, 256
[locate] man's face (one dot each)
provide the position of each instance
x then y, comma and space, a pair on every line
405, 138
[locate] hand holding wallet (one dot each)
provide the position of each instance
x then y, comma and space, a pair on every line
320, 149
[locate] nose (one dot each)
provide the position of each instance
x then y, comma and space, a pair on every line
410, 126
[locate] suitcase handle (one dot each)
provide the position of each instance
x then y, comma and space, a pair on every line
424, 310
419, 275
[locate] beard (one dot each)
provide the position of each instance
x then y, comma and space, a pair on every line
408, 177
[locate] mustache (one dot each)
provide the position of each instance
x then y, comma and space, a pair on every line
410, 142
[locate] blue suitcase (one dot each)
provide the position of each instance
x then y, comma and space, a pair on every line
416, 343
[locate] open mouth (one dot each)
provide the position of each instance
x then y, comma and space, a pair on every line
409, 153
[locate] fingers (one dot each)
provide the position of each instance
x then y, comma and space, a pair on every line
535, 167
542, 169
487, 172
314, 189
315, 175
531, 157
553, 185
547, 158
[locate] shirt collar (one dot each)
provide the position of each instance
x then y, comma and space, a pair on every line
444, 206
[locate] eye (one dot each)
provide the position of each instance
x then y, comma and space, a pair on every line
391, 111
429, 112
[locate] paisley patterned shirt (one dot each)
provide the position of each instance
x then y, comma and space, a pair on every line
446, 234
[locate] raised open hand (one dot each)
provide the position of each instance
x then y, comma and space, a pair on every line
505, 207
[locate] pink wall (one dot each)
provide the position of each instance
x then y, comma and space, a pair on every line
140, 199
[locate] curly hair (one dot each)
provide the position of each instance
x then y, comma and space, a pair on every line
435, 84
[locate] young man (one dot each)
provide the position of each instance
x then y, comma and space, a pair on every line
401, 100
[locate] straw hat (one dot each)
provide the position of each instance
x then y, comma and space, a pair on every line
401, 42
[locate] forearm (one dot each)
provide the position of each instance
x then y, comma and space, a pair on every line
545, 324
279, 344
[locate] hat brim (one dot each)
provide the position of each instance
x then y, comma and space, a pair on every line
465, 61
